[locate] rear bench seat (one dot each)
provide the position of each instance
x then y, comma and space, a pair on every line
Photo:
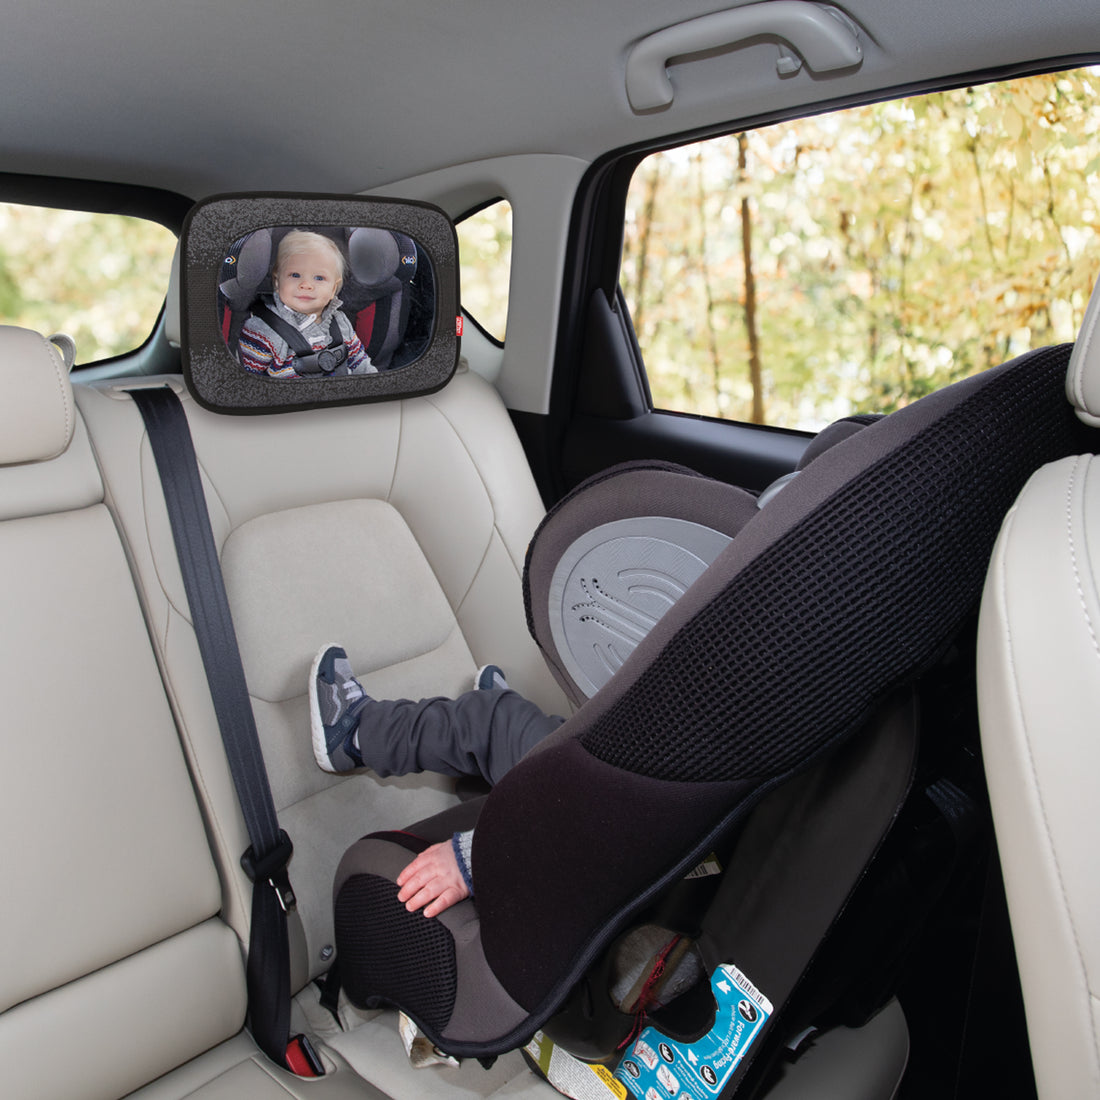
396, 529
115, 967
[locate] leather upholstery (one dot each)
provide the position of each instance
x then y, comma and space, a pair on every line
36, 415
1039, 694
397, 529
1083, 376
120, 944
111, 896
1039, 680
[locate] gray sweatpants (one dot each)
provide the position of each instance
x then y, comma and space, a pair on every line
479, 733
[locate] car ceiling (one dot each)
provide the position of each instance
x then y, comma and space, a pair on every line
347, 95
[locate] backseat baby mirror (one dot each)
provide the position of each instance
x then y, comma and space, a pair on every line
298, 301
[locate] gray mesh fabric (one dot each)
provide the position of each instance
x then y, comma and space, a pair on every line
409, 960
855, 593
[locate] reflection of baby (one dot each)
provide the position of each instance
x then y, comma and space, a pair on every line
298, 331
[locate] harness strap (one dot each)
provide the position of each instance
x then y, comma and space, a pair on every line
306, 360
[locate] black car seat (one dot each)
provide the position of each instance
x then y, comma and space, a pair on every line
613, 555
384, 279
822, 605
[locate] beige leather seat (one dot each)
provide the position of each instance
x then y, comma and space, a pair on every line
396, 529
120, 942
1039, 693
115, 967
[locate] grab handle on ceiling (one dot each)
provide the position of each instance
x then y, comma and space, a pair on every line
823, 36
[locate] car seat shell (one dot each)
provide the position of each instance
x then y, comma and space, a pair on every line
845, 587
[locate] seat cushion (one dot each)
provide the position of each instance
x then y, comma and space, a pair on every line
395, 529
1039, 694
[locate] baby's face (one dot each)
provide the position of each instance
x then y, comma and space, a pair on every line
307, 281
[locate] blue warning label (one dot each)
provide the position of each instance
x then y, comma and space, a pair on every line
656, 1067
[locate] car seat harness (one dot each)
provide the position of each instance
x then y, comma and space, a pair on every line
307, 360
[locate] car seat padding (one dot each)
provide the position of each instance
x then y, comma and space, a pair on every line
642, 516
844, 588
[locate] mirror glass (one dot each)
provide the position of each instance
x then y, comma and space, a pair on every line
320, 301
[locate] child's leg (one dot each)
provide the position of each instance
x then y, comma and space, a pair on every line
483, 732
480, 732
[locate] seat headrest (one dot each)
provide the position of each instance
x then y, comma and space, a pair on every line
252, 264
37, 414
1083, 375
377, 255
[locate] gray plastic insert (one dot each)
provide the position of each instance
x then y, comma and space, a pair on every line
613, 584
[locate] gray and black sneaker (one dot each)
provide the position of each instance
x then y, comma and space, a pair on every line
335, 699
490, 678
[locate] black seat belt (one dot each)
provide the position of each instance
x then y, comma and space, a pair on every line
265, 861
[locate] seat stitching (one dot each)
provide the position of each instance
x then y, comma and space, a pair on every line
1071, 485
1080, 464
66, 398
494, 529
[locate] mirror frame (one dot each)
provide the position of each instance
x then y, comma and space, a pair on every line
214, 376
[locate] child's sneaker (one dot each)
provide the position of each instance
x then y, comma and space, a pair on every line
490, 678
335, 699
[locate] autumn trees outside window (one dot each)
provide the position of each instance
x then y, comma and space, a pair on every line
857, 260
100, 278
787, 275
485, 257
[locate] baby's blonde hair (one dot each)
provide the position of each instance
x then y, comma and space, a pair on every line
299, 241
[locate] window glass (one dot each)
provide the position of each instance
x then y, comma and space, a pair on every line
857, 260
485, 261
100, 278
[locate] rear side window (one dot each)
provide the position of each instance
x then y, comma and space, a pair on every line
485, 261
854, 261
100, 278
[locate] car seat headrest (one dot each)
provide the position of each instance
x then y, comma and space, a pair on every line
833, 433
374, 257
1083, 375
247, 267
36, 411
615, 554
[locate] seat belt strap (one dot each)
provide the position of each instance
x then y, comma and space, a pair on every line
265, 862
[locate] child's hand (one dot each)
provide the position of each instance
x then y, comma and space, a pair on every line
432, 879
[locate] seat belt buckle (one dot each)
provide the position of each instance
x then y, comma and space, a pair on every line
272, 869
302, 1058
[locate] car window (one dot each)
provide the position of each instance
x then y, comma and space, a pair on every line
857, 260
485, 262
100, 278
